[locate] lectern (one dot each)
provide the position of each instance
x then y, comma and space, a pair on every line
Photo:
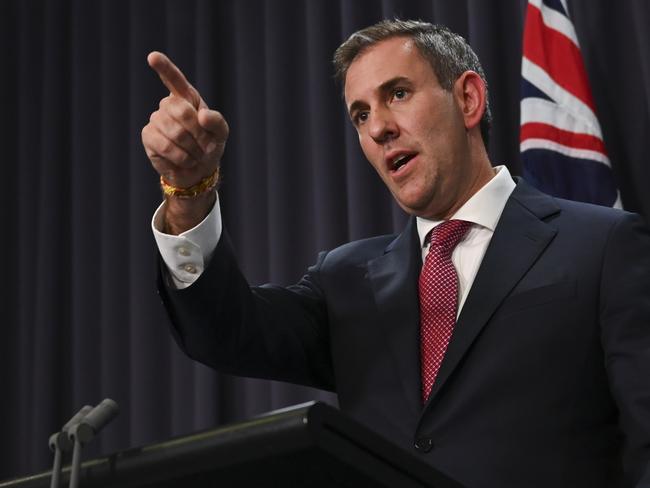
310, 445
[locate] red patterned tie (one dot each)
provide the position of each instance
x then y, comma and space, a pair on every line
438, 289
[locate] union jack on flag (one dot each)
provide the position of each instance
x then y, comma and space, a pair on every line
561, 143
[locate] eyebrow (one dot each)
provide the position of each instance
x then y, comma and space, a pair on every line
386, 86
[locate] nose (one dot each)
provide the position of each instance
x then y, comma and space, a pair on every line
382, 126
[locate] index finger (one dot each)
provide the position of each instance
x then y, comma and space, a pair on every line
173, 78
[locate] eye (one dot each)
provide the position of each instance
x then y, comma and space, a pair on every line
400, 93
360, 117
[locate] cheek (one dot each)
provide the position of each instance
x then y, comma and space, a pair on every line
363, 143
370, 150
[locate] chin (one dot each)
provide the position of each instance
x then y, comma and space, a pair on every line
414, 200
421, 207
412, 209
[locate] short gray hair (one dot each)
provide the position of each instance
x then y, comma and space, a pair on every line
448, 54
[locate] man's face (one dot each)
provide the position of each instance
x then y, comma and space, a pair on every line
411, 130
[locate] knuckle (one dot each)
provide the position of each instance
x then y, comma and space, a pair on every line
182, 138
167, 147
177, 133
185, 113
164, 102
146, 136
188, 117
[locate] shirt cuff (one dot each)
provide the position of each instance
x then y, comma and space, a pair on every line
187, 254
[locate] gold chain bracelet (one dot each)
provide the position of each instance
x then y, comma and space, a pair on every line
205, 185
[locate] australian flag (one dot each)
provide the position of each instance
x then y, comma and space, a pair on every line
561, 143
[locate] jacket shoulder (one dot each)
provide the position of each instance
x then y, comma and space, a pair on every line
359, 251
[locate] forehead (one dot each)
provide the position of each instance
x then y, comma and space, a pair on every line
397, 57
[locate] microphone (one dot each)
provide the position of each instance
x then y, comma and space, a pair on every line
60, 443
94, 421
85, 431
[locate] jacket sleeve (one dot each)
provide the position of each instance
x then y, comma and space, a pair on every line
266, 332
625, 326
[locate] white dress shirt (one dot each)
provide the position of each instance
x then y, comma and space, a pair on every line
187, 254
483, 209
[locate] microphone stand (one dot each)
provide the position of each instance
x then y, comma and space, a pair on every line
86, 430
60, 443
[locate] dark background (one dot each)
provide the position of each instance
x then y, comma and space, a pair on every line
80, 317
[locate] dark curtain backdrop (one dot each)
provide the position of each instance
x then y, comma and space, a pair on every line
81, 320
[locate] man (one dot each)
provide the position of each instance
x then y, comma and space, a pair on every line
504, 335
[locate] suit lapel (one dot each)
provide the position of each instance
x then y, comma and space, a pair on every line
519, 238
393, 278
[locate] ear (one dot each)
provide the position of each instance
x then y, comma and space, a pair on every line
470, 93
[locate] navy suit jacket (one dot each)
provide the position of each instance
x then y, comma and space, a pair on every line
546, 381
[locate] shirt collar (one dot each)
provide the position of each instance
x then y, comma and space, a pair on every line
484, 208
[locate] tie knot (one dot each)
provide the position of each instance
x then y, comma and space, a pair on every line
448, 234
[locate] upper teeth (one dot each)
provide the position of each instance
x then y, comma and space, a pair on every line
398, 159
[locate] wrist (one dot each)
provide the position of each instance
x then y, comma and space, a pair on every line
183, 214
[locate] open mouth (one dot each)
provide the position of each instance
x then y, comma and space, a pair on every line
400, 161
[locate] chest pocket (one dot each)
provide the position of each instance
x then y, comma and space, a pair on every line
538, 296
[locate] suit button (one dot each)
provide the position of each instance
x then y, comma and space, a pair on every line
424, 444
